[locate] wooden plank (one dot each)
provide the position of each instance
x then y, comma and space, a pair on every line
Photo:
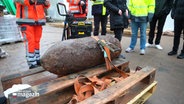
57, 87
144, 95
39, 78
136, 89
130, 93
22, 74
8, 80
119, 88
9, 83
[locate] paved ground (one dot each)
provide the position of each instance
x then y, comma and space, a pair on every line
170, 70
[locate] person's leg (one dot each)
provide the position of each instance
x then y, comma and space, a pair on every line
143, 27
183, 47
96, 25
183, 39
29, 40
103, 24
176, 40
161, 22
152, 29
38, 34
118, 33
181, 55
134, 27
177, 34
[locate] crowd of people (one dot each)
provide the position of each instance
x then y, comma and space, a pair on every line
142, 12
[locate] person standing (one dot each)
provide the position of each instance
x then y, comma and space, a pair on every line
30, 17
162, 9
141, 11
178, 15
79, 9
118, 16
100, 16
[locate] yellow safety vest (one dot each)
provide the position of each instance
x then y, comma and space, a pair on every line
100, 2
141, 7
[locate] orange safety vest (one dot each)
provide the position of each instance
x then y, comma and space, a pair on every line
30, 13
76, 9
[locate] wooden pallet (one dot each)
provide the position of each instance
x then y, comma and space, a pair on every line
144, 95
125, 90
60, 90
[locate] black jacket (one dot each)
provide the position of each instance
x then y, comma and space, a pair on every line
163, 7
116, 20
178, 10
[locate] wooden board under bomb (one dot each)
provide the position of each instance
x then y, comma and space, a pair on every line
58, 90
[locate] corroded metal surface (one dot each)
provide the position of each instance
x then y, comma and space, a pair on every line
74, 55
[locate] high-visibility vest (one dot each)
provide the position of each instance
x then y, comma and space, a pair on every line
100, 3
30, 13
76, 9
141, 7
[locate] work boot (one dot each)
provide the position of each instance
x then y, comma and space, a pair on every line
172, 53
38, 62
31, 60
33, 66
181, 56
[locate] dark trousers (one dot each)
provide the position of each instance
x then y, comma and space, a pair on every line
97, 20
178, 28
153, 24
118, 33
3, 100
